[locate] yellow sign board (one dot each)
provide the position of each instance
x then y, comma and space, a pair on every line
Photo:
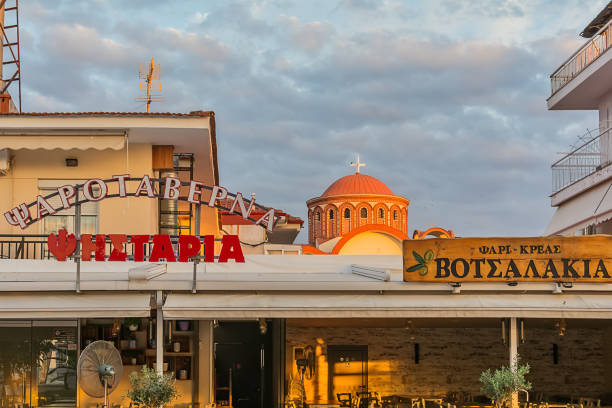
539, 259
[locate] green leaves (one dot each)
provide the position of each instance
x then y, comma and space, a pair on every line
499, 385
150, 389
422, 262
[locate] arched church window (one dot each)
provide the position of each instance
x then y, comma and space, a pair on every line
394, 215
331, 214
347, 213
381, 213
364, 213
318, 216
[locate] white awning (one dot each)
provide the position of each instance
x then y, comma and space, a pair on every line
65, 139
248, 306
592, 207
54, 306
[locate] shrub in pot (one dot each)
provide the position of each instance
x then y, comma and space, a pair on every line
150, 389
499, 385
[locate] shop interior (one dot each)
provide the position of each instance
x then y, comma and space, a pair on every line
390, 363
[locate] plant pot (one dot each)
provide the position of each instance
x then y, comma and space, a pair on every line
165, 367
182, 374
183, 325
176, 347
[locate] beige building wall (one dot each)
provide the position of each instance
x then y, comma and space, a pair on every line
116, 215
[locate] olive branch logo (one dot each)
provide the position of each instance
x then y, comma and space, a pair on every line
422, 262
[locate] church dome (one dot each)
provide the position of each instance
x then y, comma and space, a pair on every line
357, 184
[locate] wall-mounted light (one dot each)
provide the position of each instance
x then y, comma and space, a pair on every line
567, 285
215, 324
456, 287
72, 162
263, 326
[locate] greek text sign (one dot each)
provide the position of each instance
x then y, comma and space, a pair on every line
140, 248
168, 188
539, 259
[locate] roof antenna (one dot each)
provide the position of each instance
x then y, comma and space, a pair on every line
148, 79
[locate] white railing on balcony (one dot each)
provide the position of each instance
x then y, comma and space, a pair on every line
581, 162
582, 58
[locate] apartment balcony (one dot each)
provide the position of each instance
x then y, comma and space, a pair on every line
581, 188
586, 76
577, 165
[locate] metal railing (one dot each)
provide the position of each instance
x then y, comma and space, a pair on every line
36, 247
579, 163
582, 58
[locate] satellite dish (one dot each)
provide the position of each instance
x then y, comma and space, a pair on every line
99, 369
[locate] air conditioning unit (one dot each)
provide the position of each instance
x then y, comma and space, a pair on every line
5, 162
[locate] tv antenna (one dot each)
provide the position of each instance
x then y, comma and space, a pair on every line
9, 41
149, 78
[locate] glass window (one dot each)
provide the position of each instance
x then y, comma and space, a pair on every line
331, 214
38, 364
318, 216
381, 213
64, 219
364, 213
395, 215
347, 213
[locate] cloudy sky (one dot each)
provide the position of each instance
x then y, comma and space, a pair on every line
445, 100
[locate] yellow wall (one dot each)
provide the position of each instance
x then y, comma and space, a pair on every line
116, 215
372, 243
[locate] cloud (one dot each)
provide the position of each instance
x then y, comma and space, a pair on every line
450, 114
310, 36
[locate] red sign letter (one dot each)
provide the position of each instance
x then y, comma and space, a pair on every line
189, 246
62, 244
117, 254
87, 247
162, 248
231, 249
139, 241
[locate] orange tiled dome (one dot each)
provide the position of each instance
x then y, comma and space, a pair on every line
357, 184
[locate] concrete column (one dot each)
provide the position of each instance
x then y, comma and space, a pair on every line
513, 349
205, 363
159, 336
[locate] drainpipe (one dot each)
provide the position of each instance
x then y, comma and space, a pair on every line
159, 339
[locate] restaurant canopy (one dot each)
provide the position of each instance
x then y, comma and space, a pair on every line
317, 305
72, 305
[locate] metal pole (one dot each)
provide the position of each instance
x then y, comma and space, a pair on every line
513, 349
196, 231
159, 341
77, 233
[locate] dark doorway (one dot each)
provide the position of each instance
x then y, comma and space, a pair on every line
348, 370
243, 356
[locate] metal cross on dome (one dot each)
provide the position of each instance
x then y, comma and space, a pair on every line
357, 164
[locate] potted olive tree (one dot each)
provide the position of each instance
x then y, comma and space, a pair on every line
499, 385
150, 389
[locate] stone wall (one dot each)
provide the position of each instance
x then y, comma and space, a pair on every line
451, 359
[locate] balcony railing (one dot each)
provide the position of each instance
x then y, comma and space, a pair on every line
579, 163
582, 58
